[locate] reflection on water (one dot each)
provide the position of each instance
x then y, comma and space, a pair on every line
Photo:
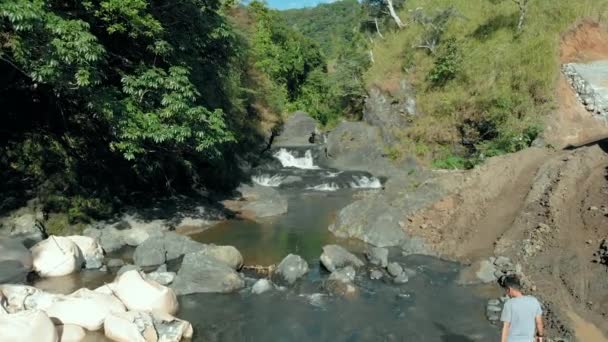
303, 230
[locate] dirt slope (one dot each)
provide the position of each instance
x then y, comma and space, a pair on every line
545, 209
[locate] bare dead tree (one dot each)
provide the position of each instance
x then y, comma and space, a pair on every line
378, 28
523, 10
394, 15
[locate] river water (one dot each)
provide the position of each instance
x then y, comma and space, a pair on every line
430, 307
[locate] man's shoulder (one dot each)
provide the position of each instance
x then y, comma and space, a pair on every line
523, 300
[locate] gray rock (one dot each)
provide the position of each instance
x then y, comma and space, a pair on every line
298, 130
402, 278
126, 268
262, 201
158, 250
169, 246
345, 275
15, 261
494, 302
162, 268
481, 271
291, 268
370, 220
389, 111
114, 263
163, 278
377, 256
201, 273
375, 274
335, 257
110, 238
394, 269
261, 286
415, 245
22, 225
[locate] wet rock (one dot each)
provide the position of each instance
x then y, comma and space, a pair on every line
15, 261
138, 293
340, 282
201, 273
115, 263
226, 254
375, 274
70, 333
56, 256
402, 278
91, 250
23, 297
27, 326
261, 286
335, 257
299, 130
493, 310
377, 256
291, 268
394, 269
171, 329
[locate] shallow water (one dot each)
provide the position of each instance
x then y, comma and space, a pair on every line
430, 307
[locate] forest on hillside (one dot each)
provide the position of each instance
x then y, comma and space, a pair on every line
107, 102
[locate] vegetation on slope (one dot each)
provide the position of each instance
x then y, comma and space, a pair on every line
484, 87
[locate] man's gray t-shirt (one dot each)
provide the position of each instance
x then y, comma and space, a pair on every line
521, 312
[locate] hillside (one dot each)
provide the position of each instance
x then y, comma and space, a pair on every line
484, 88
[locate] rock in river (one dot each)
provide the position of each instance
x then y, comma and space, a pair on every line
377, 256
91, 250
15, 261
201, 273
27, 326
261, 286
335, 257
56, 256
291, 268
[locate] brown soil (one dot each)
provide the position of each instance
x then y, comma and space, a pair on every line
547, 210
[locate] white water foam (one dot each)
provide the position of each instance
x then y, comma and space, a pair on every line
325, 187
364, 182
289, 160
330, 174
270, 181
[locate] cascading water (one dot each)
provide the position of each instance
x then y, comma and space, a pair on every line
299, 169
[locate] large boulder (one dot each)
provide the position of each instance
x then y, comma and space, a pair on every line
138, 293
299, 130
158, 250
201, 273
335, 257
258, 202
110, 238
91, 250
85, 308
15, 261
291, 268
56, 256
27, 326
23, 297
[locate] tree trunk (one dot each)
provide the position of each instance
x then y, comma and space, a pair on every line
371, 56
523, 9
391, 10
378, 28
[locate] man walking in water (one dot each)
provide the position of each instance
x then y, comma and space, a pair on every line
521, 315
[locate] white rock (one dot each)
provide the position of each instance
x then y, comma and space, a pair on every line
91, 250
261, 286
142, 294
70, 333
27, 326
85, 308
23, 297
132, 326
171, 329
56, 256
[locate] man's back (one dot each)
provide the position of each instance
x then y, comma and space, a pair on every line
521, 312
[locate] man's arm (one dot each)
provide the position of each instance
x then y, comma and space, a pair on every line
540, 328
505, 331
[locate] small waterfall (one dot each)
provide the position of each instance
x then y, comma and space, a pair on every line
267, 180
289, 160
364, 182
325, 187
